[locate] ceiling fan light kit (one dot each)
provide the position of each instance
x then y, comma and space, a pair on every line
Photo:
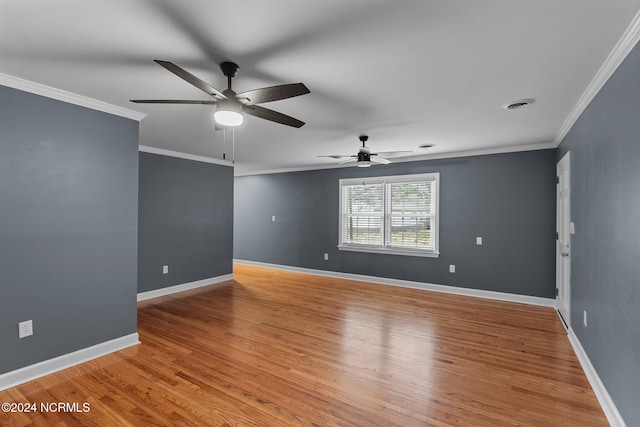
232, 106
228, 113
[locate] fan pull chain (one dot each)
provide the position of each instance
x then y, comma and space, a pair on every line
224, 143
233, 145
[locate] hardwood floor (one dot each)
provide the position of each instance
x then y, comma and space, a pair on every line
274, 348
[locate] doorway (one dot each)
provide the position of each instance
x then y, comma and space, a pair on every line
563, 239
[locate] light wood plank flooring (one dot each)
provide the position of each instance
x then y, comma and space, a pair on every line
274, 348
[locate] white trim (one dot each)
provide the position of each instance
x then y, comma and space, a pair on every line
609, 408
563, 271
385, 247
478, 152
388, 250
183, 287
163, 152
37, 370
417, 177
449, 155
624, 46
71, 98
500, 296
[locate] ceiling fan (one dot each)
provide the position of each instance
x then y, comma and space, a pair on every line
232, 105
365, 157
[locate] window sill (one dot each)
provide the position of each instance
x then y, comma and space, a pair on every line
389, 251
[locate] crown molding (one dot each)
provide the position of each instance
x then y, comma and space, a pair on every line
449, 155
177, 154
71, 98
624, 46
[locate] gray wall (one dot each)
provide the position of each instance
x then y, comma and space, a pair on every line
508, 199
605, 276
68, 227
185, 221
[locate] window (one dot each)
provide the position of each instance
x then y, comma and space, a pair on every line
392, 214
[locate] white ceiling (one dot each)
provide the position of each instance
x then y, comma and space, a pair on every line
405, 72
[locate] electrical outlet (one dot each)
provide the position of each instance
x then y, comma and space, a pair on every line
25, 329
165, 269
584, 318
478, 241
326, 257
273, 218
452, 268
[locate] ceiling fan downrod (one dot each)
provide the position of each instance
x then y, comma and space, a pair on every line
229, 69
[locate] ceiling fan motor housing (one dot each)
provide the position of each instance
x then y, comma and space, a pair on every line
364, 156
230, 104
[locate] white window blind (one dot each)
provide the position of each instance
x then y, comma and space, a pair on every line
396, 214
411, 216
363, 214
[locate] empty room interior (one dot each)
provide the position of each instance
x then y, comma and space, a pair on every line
362, 213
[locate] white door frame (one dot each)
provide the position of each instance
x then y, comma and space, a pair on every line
564, 229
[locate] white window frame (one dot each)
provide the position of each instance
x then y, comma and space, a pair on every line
387, 248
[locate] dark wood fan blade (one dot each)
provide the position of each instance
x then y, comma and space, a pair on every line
274, 116
171, 101
190, 78
273, 93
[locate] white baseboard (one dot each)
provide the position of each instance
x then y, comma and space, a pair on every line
609, 408
46, 367
501, 296
183, 287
